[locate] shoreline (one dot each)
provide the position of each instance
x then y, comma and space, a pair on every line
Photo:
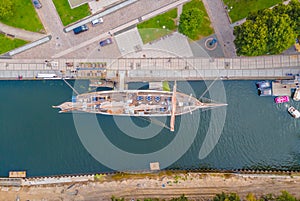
164, 184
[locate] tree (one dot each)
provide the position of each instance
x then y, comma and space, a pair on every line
226, 197
285, 196
251, 197
190, 22
181, 198
251, 38
281, 33
292, 10
264, 32
6, 8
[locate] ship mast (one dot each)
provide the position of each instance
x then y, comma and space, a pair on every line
172, 121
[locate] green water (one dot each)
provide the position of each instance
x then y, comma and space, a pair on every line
36, 138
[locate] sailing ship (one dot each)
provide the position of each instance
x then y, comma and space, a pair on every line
142, 103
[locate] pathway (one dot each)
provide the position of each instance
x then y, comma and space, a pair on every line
179, 11
20, 33
222, 25
151, 69
53, 25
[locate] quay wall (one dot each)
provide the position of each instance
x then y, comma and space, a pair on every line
83, 178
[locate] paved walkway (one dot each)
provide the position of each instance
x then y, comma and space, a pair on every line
222, 25
20, 33
53, 25
179, 11
151, 69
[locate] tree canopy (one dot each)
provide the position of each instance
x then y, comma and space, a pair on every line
268, 31
190, 22
6, 8
226, 197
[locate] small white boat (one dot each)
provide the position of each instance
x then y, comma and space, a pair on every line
296, 96
263, 84
294, 112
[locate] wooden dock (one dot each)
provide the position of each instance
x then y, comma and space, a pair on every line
284, 87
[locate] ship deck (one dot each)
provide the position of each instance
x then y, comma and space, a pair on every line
132, 103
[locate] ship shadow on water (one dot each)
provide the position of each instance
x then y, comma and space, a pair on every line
134, 131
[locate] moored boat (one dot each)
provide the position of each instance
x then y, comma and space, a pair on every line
263, 84
264, 88
294, 112
134, 103
296, 96
282, 99
265, 92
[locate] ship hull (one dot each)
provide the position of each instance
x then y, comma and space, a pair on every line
133, 103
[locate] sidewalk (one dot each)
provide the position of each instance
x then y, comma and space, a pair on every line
21, 33
222, 25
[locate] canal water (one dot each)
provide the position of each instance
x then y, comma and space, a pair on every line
257, 133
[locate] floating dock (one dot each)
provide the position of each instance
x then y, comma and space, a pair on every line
101, 83
284, 87
17, 174
154, 166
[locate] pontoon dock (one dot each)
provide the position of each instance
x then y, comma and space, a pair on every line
17, 174
281, 88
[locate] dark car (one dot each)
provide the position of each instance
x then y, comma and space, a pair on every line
105, 42
36, 4
80, 29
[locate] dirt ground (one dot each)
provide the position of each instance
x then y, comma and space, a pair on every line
198, 186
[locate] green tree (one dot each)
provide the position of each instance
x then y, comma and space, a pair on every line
292, 10
113, 198
226, 197
181, 198
251, 38
251, 197
190, 22
6, 8
285, 196
267, 31
281, 33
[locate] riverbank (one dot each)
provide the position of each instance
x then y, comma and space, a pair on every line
158, 185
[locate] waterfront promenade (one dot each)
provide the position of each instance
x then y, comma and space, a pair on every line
148, 69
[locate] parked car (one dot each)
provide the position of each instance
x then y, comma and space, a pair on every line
97, 21
105, 42
37, 4
80, 29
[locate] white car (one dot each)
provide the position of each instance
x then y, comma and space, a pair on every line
97, 21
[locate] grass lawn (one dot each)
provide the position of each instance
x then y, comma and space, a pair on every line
241, 8
158, 26
206, 28
24, 16
8, 44
68, 15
